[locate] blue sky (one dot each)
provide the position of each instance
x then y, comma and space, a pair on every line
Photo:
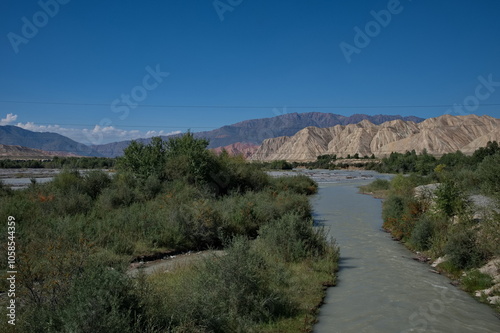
70, 65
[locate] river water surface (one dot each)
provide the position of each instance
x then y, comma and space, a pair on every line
380, 288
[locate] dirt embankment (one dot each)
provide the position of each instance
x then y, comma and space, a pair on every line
170, 262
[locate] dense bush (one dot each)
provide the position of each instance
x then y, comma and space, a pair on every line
236, 175
244, 214
144, 160
379, 187
463, 249
299, 184
475, 280
94, 182
401, 209
421, 236
119, 195
292, 239
489, 175
66, 181
280, 165
322, 162
450, 198
60, 162
423, 164
489, 234
230, 293
235, 291
97, 299
188, 159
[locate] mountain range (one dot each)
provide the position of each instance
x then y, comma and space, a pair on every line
444, 134
298, 137
23, 153
255, 131
52, 142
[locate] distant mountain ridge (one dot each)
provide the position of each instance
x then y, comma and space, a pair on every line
255, 131
53, 142
444, 134
24, 153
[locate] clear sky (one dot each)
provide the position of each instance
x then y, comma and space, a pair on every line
101, 71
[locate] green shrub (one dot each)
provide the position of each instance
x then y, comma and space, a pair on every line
404, 185
475, 280
462, 248
393, 208
201, 225
99, 300
421, 237
234, 174
5, 190
489, 174
400, 214
187, 158
450, 199
72, 203
244, 214
439, 238
293, 238
151, 188
230, 293
489, 234
67, 181
280, 165
301, 184
453, 271
94, 182
379, 184
117, 196
145, 160
378, 188
102, 300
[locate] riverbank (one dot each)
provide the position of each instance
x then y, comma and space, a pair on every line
455, 246
379, 287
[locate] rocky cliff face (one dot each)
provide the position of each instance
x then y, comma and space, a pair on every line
438, 136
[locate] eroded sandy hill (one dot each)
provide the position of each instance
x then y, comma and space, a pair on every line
438, 136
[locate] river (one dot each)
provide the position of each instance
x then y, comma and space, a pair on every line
380, 289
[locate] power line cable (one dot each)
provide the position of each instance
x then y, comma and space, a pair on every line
246, 106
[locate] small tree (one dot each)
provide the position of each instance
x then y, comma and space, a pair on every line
188, 158
145, 160
449, 198
489, 174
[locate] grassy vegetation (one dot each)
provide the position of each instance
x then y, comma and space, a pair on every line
77, 235
475, 280
442, 223
60, 162
378, 188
